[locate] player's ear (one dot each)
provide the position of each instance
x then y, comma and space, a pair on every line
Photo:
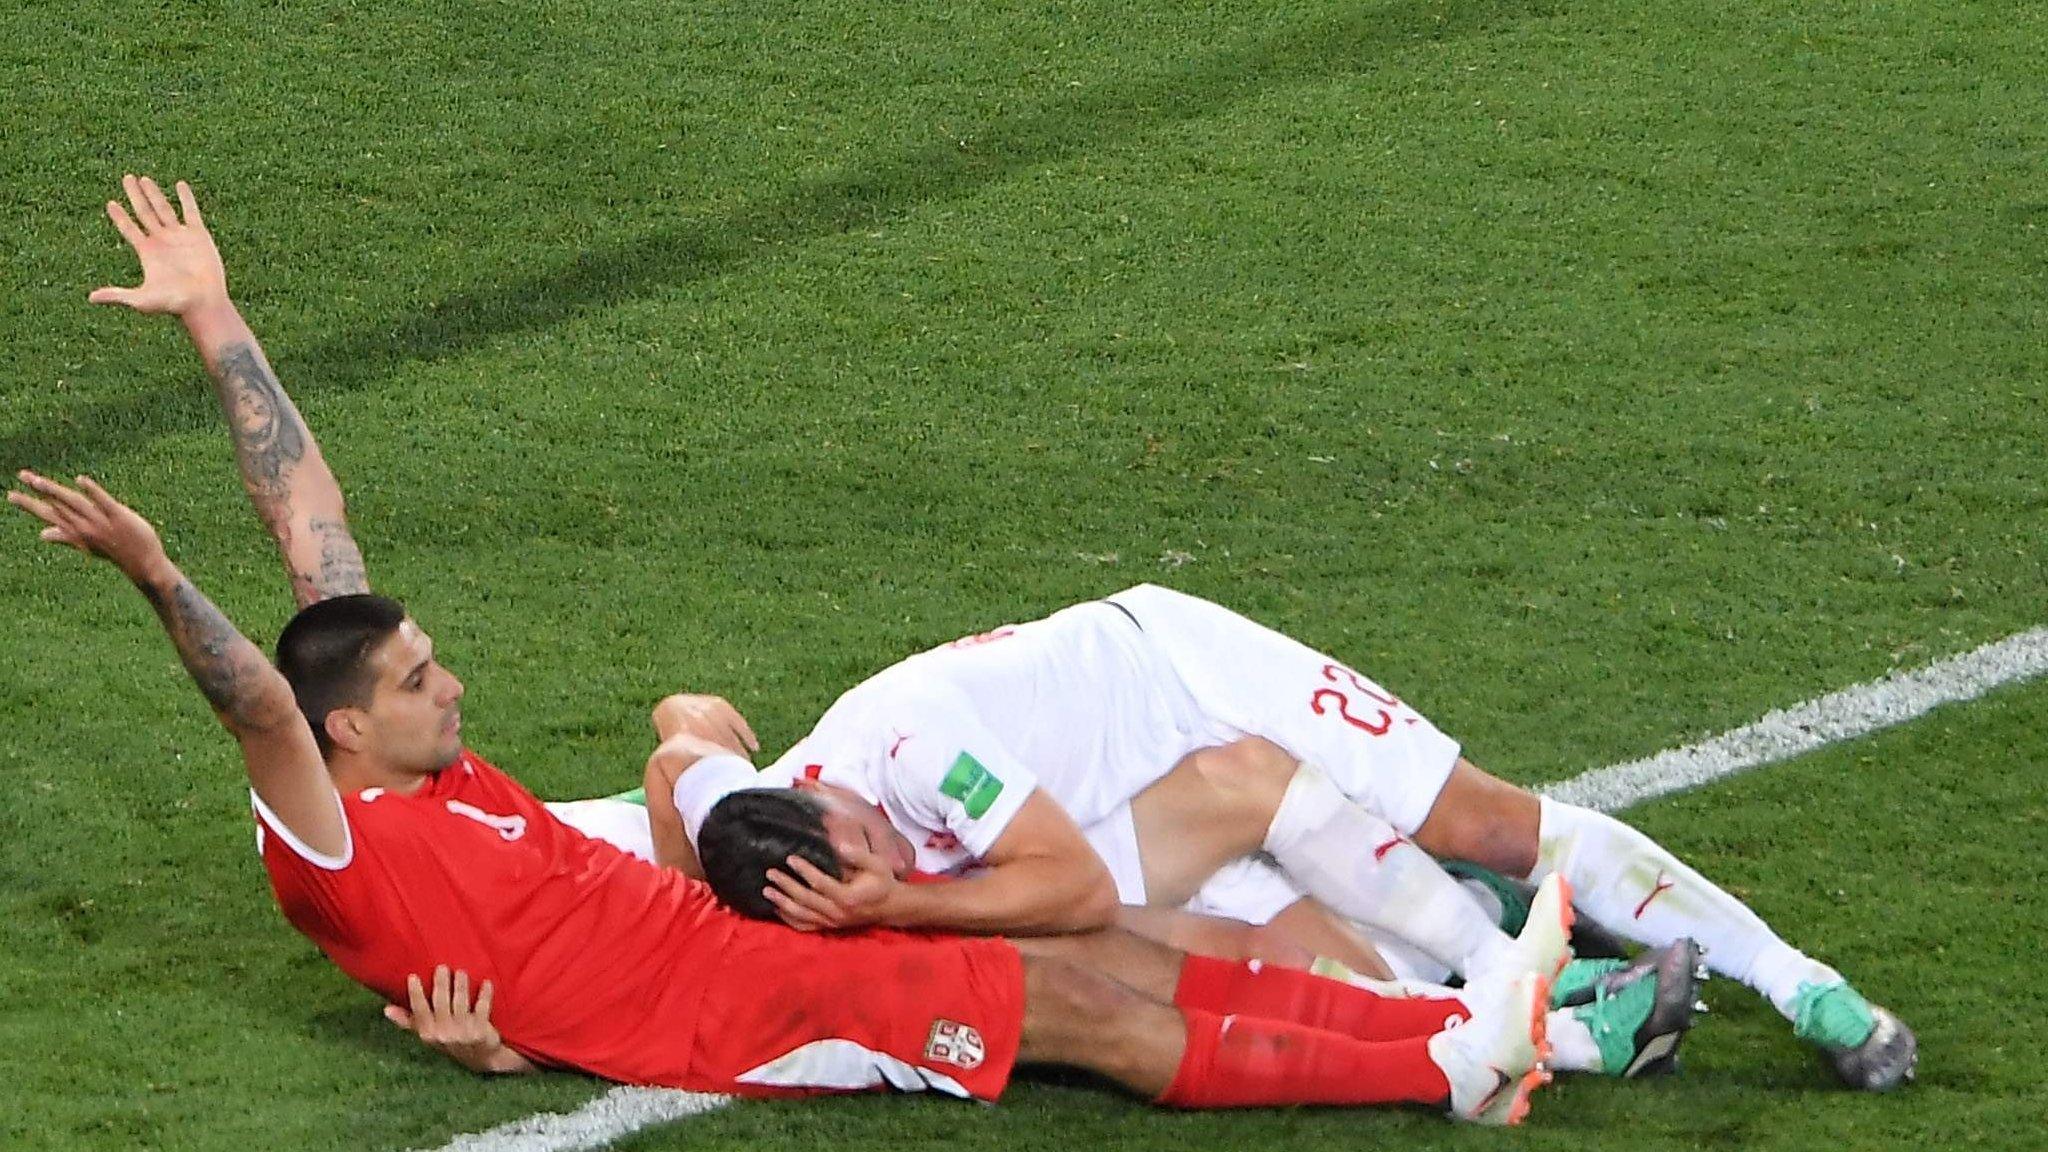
345, 728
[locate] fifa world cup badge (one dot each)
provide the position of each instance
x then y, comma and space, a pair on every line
954, 1043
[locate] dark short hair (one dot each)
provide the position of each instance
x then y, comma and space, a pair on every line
756, 829
324, 653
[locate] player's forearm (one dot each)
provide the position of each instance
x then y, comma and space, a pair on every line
243, 689
289, 484
1040, 896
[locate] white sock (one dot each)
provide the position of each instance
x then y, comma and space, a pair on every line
1626, 882
1358, 866
1489, 900
1406, 960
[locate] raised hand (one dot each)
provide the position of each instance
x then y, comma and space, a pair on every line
181, 268
88, 519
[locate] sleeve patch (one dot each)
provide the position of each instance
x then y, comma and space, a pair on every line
973, 785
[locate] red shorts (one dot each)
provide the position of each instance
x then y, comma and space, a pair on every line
793, 1013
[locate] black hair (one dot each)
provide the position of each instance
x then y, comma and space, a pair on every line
756, 829
324, 653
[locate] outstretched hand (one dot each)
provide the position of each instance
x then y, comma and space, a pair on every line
88, 519
181, 268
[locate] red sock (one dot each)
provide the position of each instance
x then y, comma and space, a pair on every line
1241, 1062
1249, 988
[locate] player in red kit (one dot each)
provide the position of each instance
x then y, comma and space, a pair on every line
398, 851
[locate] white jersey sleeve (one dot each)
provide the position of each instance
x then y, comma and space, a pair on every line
945, 770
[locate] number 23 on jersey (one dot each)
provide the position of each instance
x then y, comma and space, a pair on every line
1370, 713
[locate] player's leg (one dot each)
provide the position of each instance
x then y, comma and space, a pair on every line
1342, 773
1628, 1021
1191, 1056
1219, 804
1250, 988
1635, 887
1226, 939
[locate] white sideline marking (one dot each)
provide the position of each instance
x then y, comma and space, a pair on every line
616, 1114
1781, 735
1846, 715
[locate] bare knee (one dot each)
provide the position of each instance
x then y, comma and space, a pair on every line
1213, 807
1254, 772
1483, 819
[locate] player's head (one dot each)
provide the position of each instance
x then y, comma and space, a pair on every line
756, 829
365, 677
851, 819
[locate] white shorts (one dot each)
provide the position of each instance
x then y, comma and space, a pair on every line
621, 823
1252, 888
1243, 679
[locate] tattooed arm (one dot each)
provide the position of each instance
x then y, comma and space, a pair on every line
289, 484
250, 698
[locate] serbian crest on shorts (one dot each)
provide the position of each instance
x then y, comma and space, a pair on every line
952, 1042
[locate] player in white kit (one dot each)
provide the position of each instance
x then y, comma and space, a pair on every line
984, 755
1096, 703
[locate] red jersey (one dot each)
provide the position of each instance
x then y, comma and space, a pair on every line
598, 957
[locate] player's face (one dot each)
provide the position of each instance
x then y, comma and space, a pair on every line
849, 819
414, 721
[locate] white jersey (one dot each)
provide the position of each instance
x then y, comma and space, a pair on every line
1095, 703
950, 742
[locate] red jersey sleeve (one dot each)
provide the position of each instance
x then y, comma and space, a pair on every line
311, 886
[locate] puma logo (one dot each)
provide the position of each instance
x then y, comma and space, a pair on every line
1662, 886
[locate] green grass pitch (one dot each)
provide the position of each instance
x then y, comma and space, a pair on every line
1599, 375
